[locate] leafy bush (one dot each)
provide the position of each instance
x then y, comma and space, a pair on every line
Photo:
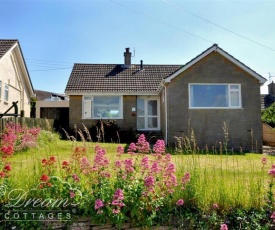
105, 131
268, 115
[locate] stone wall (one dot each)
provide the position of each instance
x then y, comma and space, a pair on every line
207, 123
85, 224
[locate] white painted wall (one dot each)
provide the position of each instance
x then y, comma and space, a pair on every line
13, 73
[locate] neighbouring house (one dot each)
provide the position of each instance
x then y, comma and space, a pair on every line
42, 95
210, 92
268, 99
53, 106
15, 82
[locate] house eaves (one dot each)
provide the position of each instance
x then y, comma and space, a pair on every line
229, 57
13, 47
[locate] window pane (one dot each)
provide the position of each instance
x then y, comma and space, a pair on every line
209, 96
106, 107
234, 87
87, 109
152, 108
234, 97
141, 123
6, 94
140, 107
152, 122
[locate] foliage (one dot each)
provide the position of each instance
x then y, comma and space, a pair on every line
149, 187
105, 131
268, 115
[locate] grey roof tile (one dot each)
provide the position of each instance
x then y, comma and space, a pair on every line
5, 45
115, 78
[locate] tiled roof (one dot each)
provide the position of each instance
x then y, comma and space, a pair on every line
5, 45
114, 78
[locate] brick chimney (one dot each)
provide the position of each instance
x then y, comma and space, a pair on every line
127, 58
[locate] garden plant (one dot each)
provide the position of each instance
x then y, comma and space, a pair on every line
44, 179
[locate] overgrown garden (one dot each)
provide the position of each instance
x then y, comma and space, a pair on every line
43, 178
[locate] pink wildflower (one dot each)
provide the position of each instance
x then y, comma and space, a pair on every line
159, 147
149, 182
142, 145
132, 148
97, 147
224, 227
272, 172
155, 168
170, 169
75, 177
129, 167
215, 206
180, 202
119, 150
118, 164
119, 195
98, 204
118, 203
264, 160
145, 163
72, 194
186, 178
168, 157
116, 211
273, 216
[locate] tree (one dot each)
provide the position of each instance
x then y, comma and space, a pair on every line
268, 115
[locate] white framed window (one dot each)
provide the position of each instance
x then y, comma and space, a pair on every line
102, 107
6, 92
148, 113
211, 96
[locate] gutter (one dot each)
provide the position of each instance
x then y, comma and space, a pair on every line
166, 115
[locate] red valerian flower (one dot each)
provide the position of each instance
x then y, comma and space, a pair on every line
7, 168
44, 178
180, 202
7, 150
2, 174
52, 158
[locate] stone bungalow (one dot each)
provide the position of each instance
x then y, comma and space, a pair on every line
211, 90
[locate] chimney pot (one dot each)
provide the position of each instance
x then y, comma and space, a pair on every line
141, 64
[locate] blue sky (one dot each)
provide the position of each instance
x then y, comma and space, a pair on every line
55, 34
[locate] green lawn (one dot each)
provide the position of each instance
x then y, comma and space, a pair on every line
228, 180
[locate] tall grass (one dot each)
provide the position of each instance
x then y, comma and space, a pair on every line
231, 181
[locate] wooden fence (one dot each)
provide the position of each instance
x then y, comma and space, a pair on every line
29, 122
268, 135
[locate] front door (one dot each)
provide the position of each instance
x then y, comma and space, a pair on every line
148, 113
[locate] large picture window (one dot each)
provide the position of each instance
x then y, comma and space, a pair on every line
102, 107
214, 96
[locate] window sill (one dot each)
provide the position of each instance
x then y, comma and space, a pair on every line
95, 118
225, 108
